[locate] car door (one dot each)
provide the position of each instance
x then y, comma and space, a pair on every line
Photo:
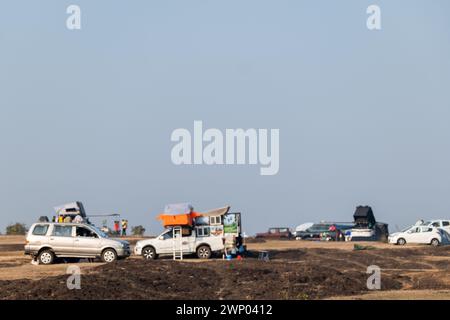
188, 241
86, 242
423, 235
61, 240
412, 235
165, 242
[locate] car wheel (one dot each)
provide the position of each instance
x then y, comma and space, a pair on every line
149, 253
109, 255
401, 241
204, 252
46, 257
435, 242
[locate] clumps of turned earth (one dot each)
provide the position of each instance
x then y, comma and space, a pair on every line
289, 274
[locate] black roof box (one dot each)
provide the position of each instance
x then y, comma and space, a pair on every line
364, 214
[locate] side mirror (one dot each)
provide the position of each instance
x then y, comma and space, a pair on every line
161, 238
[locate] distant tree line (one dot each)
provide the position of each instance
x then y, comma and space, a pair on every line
16, 229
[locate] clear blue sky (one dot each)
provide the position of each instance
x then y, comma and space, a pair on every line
363, 116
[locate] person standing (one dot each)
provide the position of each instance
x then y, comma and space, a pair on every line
116, 228
124, 227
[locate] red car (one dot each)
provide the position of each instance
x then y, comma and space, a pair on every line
276, 233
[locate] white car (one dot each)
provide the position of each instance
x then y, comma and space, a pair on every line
442, 224
203, 245
418, 235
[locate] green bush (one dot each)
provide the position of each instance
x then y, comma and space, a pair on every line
138, 231
16, 229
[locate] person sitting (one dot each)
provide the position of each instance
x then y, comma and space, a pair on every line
78, 219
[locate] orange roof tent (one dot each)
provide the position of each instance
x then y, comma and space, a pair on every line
185, 215
184, 219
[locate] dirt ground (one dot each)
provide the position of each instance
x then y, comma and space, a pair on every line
295, 270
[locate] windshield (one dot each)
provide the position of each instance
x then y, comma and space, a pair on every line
406, 229
100, 233
166, 234
319, 228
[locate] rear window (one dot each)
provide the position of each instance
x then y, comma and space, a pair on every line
40, 230
445, 223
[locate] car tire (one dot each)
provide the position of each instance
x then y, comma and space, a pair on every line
401, 242
46, 257
204, 252
109, 256
149, 253
435, 242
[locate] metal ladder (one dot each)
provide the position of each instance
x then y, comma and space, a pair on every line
177, 243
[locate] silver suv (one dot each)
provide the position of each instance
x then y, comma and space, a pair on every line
47, 241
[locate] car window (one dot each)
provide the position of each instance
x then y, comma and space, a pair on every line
62, 231
85, 232
186, 232
445, 223
284, 230
436, 224
40, 230
167, 235
99, 232
216, 220
203, 231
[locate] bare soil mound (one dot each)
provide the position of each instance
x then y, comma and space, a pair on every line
290, 274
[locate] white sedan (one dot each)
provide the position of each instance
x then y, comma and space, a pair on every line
418, 234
